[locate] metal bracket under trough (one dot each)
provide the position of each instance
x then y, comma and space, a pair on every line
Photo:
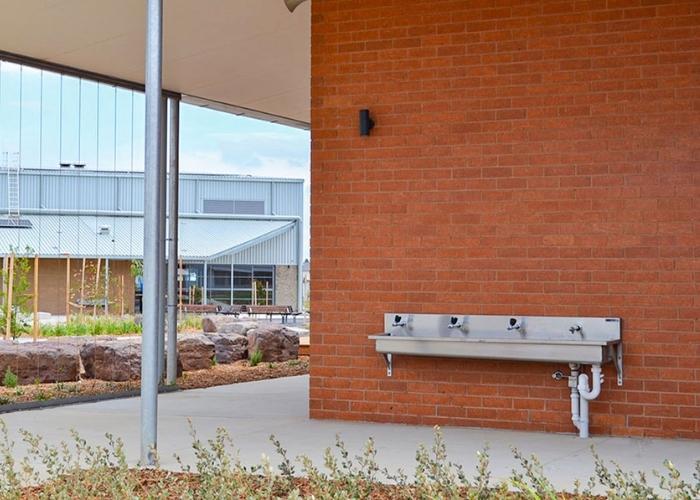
616, 355
388, 359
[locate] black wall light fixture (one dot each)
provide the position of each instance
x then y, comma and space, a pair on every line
366, 122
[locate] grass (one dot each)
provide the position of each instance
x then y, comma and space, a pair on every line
79, 326
100, 325
256, 357
80, 470
189, 322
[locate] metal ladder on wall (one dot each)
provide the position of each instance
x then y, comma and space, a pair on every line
10, 164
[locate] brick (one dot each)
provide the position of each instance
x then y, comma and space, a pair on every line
508, 173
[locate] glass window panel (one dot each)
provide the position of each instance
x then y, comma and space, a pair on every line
31, 117
219, 276
241, 297
9, 108
242, 277
88, 123
69, 106
105, 122
219, 296
50, 119
124, 120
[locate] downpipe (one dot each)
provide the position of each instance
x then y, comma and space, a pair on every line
581, 395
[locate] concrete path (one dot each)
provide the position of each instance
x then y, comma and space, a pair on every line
252, 411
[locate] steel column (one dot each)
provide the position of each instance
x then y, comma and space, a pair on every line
162, 206
173, 193
300, 262
149, 347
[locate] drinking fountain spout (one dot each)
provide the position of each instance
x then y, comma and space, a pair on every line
400, 321
576, 329
515, 324
455, 323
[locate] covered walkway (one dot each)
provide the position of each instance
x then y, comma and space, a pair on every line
252, 411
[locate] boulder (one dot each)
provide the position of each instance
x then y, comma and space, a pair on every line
226, 324
114, 360
40, 361
196, 351
229, 347
275, 342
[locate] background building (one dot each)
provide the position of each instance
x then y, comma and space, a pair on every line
239, 237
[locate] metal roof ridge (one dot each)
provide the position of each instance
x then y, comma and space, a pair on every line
138, 215
139, 173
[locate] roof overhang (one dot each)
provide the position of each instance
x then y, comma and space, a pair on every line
247, 57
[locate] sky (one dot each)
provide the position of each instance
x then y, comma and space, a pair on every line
52, 119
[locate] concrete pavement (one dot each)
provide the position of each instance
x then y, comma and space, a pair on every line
252, 411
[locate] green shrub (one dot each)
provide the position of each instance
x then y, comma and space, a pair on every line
10, 379
256, 357
81, 470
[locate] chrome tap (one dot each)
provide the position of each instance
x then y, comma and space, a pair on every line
514, 324
454, 323
576, 329
399, 321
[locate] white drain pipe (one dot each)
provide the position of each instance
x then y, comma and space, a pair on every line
573, 384
580, 415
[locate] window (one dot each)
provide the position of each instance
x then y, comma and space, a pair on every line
245, 277
244, 207
219, 283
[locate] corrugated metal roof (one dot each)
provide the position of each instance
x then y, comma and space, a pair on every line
113, 191
121, 237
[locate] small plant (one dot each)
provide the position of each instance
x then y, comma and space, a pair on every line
41, 396
5, 401
101, 325
270, 366
256, 357
10, 379
294, 362
19, 391
214, 362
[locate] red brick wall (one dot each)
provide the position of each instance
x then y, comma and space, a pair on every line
529, 158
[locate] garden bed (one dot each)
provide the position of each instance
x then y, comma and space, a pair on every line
93, 471
240, 371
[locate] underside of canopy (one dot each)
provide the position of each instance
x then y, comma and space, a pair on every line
249, 57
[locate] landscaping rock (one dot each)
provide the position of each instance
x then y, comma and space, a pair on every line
196, 352
275, 342
229, 347
226, 324
113, 360
40, 361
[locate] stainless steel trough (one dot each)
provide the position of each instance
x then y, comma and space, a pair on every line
581, 340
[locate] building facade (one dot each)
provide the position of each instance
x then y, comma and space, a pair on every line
239, 237
528, 158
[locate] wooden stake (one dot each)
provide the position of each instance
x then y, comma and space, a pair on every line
82, 288
10, 286
121, 298
97, 287
106, 306
67, 288
5, 260
35, 326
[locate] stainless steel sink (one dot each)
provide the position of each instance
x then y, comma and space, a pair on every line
581, 340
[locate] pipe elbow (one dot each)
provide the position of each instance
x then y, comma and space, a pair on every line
594, 392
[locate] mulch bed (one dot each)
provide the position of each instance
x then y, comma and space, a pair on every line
240, 371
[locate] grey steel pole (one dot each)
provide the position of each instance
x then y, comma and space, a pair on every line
149, 346
173, 216
162, 206
300, 262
